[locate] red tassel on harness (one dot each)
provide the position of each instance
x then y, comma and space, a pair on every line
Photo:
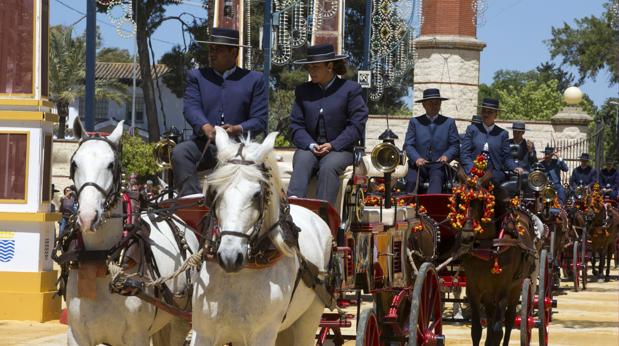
496, 268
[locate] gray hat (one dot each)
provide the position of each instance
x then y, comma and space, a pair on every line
518, 126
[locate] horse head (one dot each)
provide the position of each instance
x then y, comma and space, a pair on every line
245, 191
472, 206
96, 174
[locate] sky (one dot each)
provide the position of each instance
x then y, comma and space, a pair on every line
514, 31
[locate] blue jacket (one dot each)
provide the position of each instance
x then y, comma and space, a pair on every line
553, 170
498, 146
241, 99
422, 141
608, 178
344, 111
524, 158
587, 175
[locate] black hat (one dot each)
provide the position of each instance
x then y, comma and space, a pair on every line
476, 119
224, 37
490, 104
549, 150
320, 53
584, 157
432, 94
518, 126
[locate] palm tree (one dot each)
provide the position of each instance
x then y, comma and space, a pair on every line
67, 71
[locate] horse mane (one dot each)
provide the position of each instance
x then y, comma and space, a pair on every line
225, 174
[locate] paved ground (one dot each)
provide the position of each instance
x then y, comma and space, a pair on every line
589, 318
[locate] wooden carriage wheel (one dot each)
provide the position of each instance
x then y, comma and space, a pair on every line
526, 312
575, 269
426, 325
544, 298
368, 332
584, 265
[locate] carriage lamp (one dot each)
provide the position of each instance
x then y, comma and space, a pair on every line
386, 156
163, 153
537, 180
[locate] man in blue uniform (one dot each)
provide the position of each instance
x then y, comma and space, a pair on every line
583, 174
487, 136
608, 178
430, 138
523, 151
219, 95
554, 165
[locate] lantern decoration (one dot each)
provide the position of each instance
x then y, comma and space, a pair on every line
496, 268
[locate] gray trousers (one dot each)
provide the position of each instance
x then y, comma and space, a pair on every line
187, 160
328, 169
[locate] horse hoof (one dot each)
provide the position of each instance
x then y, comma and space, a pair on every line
600, 280
606, 279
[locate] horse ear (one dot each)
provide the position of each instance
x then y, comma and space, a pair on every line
221, 138
78, 128
267, 145
114, 137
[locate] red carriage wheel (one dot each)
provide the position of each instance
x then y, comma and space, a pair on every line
368, 332
575, 269
426, 325
584, 266
526, 313
544, 298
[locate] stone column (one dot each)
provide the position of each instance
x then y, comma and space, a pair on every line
448, 56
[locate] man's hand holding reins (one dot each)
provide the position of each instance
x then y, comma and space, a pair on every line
209, 131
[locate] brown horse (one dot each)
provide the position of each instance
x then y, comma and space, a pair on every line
603, 236
496, 260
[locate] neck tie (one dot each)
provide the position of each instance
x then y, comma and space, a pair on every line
322, 130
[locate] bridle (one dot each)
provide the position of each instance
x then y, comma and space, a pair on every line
255, 237
112, 196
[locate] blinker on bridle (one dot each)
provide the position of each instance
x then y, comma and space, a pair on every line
111, 197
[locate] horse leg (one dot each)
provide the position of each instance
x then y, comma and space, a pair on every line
510, 318
303, 330
499, 321
593, 269
475, 316
267, 337
601, 265
491, 317
609, 254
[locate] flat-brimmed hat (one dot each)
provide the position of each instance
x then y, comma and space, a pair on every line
490, 104
584, 157
431, 94
320, 53
476, 119
549, 150
518, 126
224, 37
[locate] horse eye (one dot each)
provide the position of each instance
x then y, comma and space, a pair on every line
110, 166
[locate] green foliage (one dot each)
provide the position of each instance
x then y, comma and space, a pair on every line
590, 46
137, 156
113, 54
533, 101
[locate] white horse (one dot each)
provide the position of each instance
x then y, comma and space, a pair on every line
247, 306
95, 314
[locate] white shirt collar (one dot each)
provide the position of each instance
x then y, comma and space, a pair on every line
328, 84
432, 118
488, 128
226, 73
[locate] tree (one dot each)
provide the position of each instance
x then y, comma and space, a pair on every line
590, 46
534, 101
112, 54
137, 156
67, 70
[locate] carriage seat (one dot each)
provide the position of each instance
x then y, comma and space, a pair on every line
324, 209
191, 209
390, 216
